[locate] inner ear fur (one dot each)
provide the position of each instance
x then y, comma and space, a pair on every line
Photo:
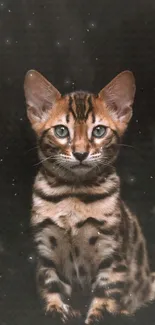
40, 96
119, 95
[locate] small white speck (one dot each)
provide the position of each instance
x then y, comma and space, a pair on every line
151, 177
98, 233
58, 43
15, 194
67, 81
8, 41
31, 258
140, 132
131, 179
88, 30
137, 121
73, 85
1, 159
33, 13
30, 24
7, 147
9, 10
16, 42
92, 25
21, 119
96, 59
83, 42
9, 80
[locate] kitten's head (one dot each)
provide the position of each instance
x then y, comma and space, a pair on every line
79, 133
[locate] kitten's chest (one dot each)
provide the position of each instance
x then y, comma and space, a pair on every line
69, 212
68, 205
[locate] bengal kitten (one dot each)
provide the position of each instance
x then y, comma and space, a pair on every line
83, 231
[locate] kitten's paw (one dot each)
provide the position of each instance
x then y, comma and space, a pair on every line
95, 315
55, 306
124, 312
63, 311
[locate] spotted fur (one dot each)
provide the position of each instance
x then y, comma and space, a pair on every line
83, 232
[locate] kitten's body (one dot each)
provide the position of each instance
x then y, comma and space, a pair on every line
83, 232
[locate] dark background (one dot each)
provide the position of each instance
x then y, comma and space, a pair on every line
76, 45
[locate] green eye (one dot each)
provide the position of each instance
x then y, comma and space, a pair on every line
61, 131
99, 131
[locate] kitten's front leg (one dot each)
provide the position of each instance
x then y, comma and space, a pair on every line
108, 290
53, 269
53, 290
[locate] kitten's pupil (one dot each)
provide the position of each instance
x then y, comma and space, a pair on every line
61, 131
99, 131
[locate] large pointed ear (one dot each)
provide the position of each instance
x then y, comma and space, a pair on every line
40, 97
119, 95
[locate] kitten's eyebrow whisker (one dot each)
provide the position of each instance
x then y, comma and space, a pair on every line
45, 159
125, 145
36, 147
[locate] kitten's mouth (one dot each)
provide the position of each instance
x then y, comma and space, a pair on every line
80, 166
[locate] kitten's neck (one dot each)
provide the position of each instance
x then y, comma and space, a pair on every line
89, 179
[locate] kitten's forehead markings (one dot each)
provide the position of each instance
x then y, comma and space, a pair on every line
80, 106
90, 109
70, 107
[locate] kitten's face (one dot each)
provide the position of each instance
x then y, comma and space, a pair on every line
79, 132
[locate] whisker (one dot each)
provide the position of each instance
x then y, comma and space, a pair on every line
36, 147
125, 145
45, 159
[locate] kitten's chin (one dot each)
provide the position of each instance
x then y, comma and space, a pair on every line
68, 173
80, 167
